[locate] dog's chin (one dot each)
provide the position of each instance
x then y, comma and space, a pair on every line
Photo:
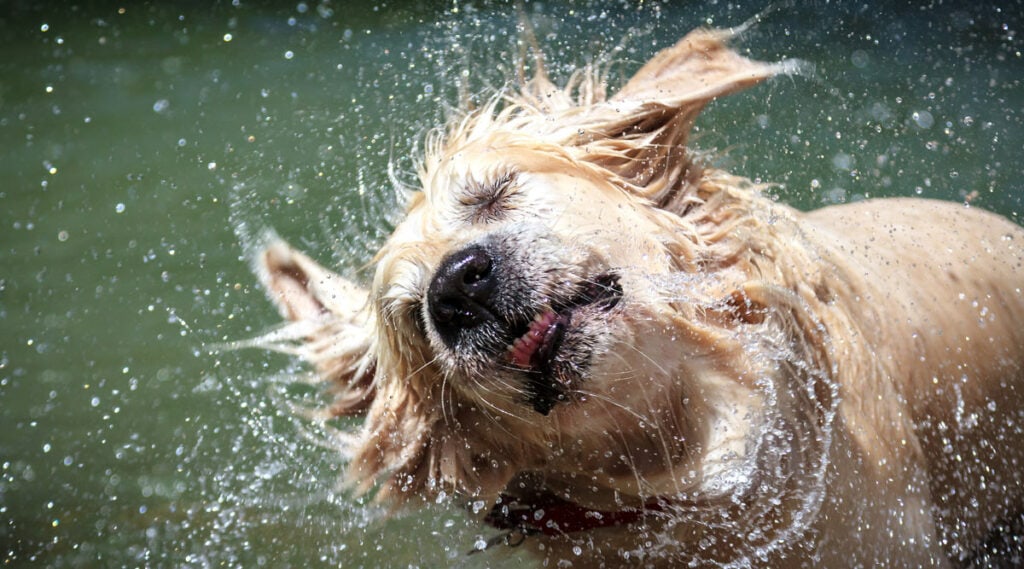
553, 352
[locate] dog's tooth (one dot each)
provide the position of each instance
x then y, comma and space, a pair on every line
522, 348
521, 355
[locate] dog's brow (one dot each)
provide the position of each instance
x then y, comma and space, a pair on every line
487, 198
490, 186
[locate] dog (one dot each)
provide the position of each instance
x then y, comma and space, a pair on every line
616, 354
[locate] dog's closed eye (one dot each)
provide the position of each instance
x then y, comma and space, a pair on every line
490, 200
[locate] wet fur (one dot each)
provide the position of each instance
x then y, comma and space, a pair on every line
823, 389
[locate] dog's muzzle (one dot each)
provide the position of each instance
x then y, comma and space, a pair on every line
483, 302
461, 294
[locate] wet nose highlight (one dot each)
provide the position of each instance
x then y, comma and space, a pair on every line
461, 293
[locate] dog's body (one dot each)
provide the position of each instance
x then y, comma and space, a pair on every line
626, 358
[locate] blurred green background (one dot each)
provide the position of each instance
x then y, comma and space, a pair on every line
145, 143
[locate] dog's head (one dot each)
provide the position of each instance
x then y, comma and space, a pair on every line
564, 296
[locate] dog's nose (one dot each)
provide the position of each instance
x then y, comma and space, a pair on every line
461, 293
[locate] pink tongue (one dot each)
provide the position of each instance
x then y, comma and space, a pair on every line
522, 349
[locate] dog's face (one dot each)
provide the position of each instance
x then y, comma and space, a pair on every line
564, 296
521, 272
535, 299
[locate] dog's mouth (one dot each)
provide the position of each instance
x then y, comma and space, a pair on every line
539, 347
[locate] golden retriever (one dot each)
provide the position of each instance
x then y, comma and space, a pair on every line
618, 355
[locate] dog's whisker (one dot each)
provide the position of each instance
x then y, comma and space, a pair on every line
490, 403
447, 410
492, 411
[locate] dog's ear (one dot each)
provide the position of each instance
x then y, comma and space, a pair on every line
697, 69
331, 326
643, 133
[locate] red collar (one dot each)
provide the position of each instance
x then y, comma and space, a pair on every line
554, 516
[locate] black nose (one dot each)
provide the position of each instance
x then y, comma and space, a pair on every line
460, 296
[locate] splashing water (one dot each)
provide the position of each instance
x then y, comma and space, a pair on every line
145, 143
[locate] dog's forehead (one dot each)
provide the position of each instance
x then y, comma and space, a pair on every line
477, 156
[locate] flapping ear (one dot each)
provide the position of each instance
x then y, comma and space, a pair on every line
331, 326
697, 69
640, 133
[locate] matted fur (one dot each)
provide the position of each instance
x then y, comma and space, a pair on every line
769, 388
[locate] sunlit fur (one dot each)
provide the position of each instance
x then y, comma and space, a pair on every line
794, 389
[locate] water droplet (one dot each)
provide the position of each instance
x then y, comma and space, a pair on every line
842, 161
859, 58
119, 208
161, 105
923, 119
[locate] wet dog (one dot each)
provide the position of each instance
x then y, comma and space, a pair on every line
619, 355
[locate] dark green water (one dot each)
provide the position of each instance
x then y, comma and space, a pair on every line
143, 147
